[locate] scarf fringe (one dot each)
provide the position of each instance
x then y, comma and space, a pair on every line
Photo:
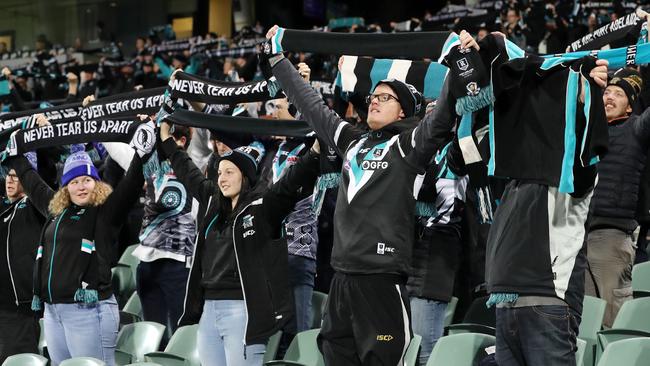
36, 303
484, 205
86, 296
501, 298
425, 209
154, 167
473, 103
325, 181
328, 180
273, 86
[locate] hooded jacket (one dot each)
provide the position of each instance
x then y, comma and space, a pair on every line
59, 272
261, 261
382, 174
20, 225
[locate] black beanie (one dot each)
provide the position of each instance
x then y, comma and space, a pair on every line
246, 158
410, 98
630, 81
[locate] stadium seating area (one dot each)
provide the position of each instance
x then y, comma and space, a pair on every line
465, 344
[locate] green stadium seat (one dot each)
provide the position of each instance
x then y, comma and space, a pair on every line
318, 302
181, 349
25, 359
641, 280
466, 349
411, 356
628, 352
632, 321
272, 346
82, 361
137, 339
450, 311
303, 350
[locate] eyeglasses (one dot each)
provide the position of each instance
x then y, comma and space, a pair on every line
381, 98
12, 178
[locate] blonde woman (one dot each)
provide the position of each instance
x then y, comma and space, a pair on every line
72, 275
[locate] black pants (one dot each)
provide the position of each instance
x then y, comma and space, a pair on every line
19, 332
366, 321
161, 287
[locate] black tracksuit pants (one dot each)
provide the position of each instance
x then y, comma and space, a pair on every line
366, 321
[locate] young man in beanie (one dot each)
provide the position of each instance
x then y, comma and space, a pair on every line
367, 320
611, 248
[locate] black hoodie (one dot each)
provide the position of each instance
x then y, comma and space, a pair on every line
382, 174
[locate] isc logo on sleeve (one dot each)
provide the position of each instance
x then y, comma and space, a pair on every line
385, 337
382, 249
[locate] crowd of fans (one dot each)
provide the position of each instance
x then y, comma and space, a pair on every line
235, 233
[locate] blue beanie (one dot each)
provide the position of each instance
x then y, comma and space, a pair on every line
78, 164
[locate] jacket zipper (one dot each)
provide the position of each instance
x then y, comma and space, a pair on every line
189, 277
11, 275
49, 277
241, 281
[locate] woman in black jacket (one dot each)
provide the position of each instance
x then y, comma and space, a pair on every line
72, 274
237, 290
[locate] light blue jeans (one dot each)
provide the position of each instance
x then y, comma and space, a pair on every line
80, 330
427, 320
221, 335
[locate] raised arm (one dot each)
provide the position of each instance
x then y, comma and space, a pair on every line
327, 124
282, 196
185, 170
36, 189
126, 193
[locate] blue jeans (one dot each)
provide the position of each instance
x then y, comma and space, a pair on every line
161, 288
427, 320
301, 279
536, 336
221, 335
80, 330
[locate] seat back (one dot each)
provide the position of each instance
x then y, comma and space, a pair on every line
140, 338
465, 349
411, 356
82, 361
633, 315
183, 343
318, 302
128, 259
123, 282
272, 346
25, 359
133, 305
580, 353
450, 311
304, 350
628, 352
641, 277
593, 311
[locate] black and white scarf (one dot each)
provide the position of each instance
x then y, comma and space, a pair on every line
415, 45
146, 101
232, 52
361, 74
626, 29
200, 89
240, 125
74, 132
11, 121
